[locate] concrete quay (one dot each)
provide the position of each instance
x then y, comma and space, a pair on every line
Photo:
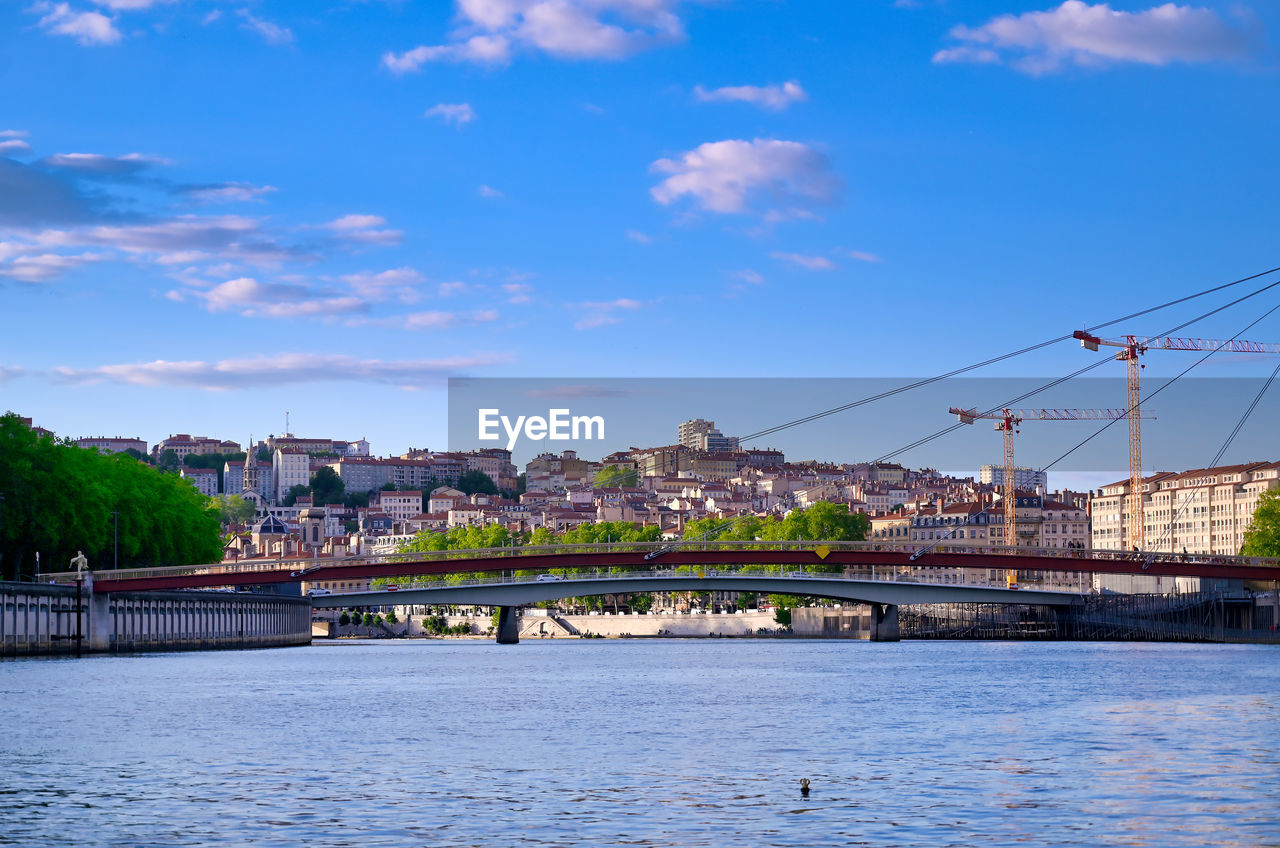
42, 619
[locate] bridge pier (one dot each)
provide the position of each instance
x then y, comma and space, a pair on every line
508, 626
884, 623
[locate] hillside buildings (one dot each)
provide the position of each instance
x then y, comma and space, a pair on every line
1201, 511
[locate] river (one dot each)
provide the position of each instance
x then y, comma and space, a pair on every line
648, 743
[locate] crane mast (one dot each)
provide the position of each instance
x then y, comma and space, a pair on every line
1007, 422
1131, 348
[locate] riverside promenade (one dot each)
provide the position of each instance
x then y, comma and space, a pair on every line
43, 619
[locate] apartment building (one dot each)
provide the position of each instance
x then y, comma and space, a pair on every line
112, 444
1201, 511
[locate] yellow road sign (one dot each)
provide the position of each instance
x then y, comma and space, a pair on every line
822, 551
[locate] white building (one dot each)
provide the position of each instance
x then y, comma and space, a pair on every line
1202, 511
289, 468
112, 444
204, 479
1026, 479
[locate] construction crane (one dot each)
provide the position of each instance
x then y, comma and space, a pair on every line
1132, 347
1007, 423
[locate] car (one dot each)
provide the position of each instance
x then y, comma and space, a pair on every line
318, 590
549, 578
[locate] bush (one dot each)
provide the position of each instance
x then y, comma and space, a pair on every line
368, 619
344, 619
391, 618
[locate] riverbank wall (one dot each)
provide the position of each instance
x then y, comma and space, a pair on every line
42, 619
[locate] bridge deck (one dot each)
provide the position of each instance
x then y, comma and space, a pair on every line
645, 555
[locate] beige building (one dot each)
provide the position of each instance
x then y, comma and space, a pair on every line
1213, 508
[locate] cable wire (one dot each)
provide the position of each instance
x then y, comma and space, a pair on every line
1029, 349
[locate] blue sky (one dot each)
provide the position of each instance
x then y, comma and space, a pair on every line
213, 212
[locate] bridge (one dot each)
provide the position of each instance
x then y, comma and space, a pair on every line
883, 596
897, 573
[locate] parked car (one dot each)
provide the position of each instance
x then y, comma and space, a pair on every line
549, 578
318, 590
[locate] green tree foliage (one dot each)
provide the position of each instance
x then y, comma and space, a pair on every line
168, 461
326, 487
1262, 539
641, 603
782, 615
612, 476
475, 480
59, 498
344, 619
295, 492
392, 618
368, 619
233, 509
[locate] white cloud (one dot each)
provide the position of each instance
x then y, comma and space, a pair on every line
40, 268
356, 222
452, 113
234, 192
215, 15
87, 28
863, 256
639, 237
749, 276
488, 31
1079, 33
727, 176
13, 145
280, 370
811, 263
603, 313
378, 286
96, 164
489, 192
9, 372
452, 288
270, 32
772, 97
131, 5
519, 292
275, 300
364, 228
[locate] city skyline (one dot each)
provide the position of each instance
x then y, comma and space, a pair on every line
332, 210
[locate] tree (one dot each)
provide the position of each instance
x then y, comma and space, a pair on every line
136, 454
475, 480
295, 492
1263, 536
326, 487
392, 618
641, 603
168, 461
344, 619
368, 619
59, 498
234, 509
612, 476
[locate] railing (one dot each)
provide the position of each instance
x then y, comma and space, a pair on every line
455, 581
658, 548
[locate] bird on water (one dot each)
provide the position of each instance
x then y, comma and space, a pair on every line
804, 786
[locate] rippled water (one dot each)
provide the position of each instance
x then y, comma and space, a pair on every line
652, 743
